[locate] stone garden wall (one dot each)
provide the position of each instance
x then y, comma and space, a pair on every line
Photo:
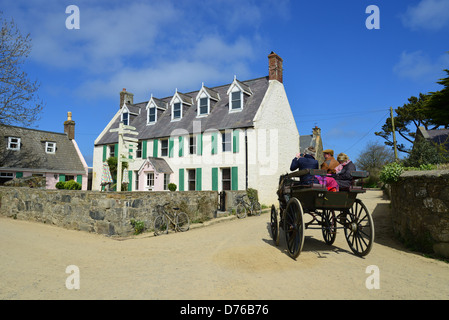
420, 210
106, 213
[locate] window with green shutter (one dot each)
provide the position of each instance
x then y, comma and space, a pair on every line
214, 142
199, 174
235, 141
181, 180
214, 179
171, 145
62, 177
235, 178
199, 144
144, 149
181, 146
105, 152
155, 147
79, 179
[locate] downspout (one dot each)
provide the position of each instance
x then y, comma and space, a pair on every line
246, 158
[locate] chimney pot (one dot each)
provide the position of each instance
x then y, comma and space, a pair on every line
126, 96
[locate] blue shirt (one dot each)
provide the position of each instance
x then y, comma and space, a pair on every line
307, 162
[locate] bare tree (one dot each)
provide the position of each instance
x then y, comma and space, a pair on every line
18, 100
374, 157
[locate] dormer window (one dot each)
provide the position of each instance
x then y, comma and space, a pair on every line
236, 100
204, 100
125, 115
178, 103
125, 118
237, 92
13, 143
177, 111
152, 107
203, 106
151, 115
50, 147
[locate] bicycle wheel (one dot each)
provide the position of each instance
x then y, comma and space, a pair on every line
257, 210
160, 225
240, 211
182, 222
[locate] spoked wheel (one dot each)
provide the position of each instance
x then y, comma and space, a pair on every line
294, 227
160, 225
359, 229
240, 211
329, 226
274, 226
182, 221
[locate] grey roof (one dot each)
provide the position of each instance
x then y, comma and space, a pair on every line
219, 118
32, 155
160, 165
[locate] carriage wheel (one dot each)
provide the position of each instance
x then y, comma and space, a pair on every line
329, 226
359, 229
274, 226
294, 227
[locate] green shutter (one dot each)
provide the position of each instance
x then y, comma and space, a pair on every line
105, 152
214, 179
181, 180
144, 149
235, 141
79, 179
199, 144
214, 142
130, 178
116, 150
19, 174
181, 146
62, 177
155, 148
234, 178
171, 145
198, 179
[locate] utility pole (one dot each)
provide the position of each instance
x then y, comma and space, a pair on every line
394, 136
124, 145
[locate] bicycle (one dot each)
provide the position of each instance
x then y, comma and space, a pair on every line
253, 207
180, 220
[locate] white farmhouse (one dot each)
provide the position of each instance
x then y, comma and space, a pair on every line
231, 137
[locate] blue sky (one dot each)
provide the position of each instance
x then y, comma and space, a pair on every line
338, 74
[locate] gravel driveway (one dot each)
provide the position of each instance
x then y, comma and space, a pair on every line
234, 259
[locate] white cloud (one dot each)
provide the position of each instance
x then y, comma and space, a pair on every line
419, 66
428, 14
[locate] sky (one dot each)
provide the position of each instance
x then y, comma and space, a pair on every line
340, 73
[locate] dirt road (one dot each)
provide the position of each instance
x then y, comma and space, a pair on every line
230, 260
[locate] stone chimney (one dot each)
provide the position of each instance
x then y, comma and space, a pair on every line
275, 67
69, 126
316, 131
126, 97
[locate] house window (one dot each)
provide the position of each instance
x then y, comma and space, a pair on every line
204, 106
50, 147
192, 180
136, 180
13, 143
164, 148
139, 150
166, 180
125, 118
151, 115
192, 145
226, 141
176, 111
5, 176
150, 180
226, 178
236, 100
112, 150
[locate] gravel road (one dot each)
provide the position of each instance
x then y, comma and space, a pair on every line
234, 259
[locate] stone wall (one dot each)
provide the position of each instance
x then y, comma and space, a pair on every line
420, 210
106, 213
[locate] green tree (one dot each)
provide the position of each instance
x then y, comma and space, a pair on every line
437, 106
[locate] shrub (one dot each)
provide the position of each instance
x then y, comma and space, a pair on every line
60, 185
72, 185
172, 187
138, 226
390, 173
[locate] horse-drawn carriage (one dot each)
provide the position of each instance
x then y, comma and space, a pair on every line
327, 209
